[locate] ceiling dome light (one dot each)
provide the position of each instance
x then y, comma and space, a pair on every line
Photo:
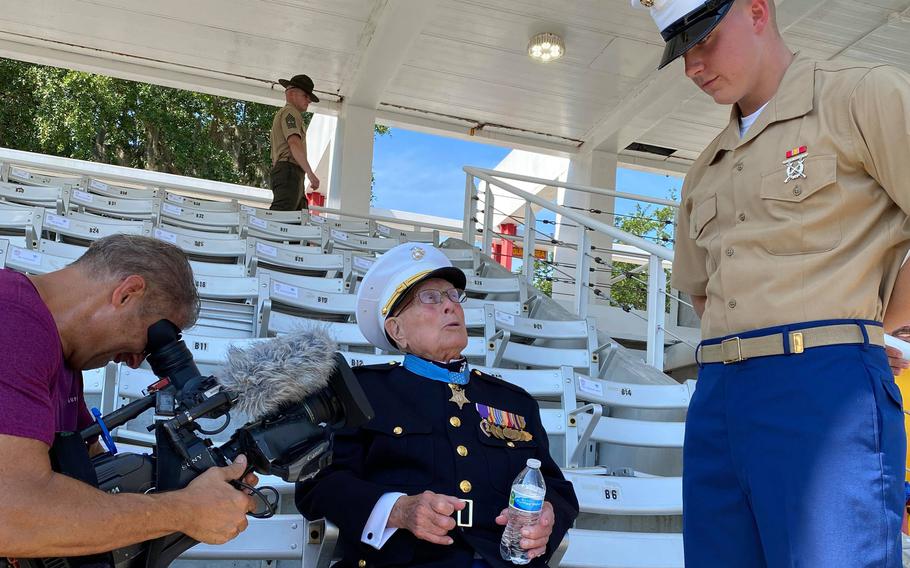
546, 47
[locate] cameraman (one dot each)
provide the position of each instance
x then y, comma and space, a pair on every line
52, 326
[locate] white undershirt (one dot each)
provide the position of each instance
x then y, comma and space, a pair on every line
746, 122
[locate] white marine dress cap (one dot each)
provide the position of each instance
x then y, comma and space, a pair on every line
387, 282
683, 23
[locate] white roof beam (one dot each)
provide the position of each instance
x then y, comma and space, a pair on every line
387, 38
41, 52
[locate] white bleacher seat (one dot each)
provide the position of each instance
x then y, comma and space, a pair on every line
361, 359
627, 395
468, 259
350, 225
213, 350
119, 207
289, 217
17, 174
503, 327
620, 495
194, 234
360, 264
22, 222
68, 228
614, 549
488, 285
65, 250
218, 269
92, 218
639, 433
225, 288
201, 204
296, 259
430, 237
228, 307
280, 537
29, 261
270, 230
334, 285
277, 293
199, 219
207, 249
347, 335
99, 187
539, 383
338, 240
47, 197
504, 306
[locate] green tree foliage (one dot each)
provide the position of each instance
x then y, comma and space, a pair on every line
92, 117
654, 224
543, 277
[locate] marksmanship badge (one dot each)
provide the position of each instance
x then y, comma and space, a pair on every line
796, 168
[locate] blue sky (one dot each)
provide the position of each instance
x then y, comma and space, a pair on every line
422, 173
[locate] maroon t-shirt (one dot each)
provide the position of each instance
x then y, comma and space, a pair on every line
39, 394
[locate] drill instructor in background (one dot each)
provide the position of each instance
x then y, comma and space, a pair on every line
289, 159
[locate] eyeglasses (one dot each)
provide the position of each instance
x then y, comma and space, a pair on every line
432, 296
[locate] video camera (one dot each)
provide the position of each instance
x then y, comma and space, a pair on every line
291, 440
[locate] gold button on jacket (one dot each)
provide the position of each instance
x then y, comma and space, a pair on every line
824, 246
462, 451
455, 421
465, 486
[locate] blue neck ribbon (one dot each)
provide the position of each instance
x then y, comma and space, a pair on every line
428, 369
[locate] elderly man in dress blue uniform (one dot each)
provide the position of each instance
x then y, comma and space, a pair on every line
427, 481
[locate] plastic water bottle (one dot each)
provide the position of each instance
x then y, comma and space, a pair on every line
525, 504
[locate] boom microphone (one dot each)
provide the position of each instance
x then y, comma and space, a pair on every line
280, 372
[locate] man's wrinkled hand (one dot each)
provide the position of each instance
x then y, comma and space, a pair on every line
534, 538
427, 515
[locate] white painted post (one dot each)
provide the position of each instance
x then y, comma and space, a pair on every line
528, 256
657, 285
582, 272
487, 220
469, 233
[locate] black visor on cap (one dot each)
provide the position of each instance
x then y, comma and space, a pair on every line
685, 32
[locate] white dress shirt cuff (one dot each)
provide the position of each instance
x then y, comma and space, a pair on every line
375, 533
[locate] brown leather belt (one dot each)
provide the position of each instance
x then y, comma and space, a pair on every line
736, 349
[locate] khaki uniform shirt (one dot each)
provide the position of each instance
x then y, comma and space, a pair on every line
767, 250
287, 121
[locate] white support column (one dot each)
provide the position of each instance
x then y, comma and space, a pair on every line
598, 169
352, 164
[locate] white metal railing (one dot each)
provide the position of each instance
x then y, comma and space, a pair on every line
194, 187
656, 254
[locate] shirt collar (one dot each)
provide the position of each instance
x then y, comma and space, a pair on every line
794, 98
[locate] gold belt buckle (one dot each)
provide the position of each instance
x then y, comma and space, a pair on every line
796, 343
469, 511
738, 353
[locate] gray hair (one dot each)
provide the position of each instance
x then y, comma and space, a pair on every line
164, 267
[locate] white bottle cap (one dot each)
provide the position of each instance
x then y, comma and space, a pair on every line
534, 463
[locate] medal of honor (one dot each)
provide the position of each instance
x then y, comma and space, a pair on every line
458, 396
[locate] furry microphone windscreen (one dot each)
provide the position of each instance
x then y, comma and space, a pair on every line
280, 371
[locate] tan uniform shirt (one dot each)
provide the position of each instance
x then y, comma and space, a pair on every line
824, 240
287, 121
